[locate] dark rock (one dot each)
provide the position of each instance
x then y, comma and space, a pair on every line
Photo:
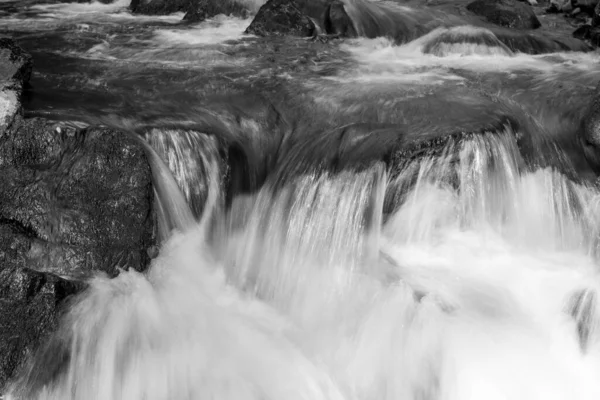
85, 195
596, 16
15, 71
30, 303
553, 9
338, 22
595, 37
583, 32
508, 13
73, 202
282, 17
202, 9
585, 5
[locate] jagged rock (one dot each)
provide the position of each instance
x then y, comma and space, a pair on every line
585, 5
86, 195
15, 71
30, 301
588, 33
282, 17
203, 9
583, 32
508, 13
303, 18
73, 202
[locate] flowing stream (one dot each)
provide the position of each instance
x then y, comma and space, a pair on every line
299, 263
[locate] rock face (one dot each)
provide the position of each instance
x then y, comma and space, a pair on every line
73, 202
508, 13
85, 195
303, 18
282, 17
15, 71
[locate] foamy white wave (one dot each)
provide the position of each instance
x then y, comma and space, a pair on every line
380, 59
212, 31
196, 47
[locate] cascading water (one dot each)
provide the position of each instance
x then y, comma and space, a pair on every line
481, 284
465, 273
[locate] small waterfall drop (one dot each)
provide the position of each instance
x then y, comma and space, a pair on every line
480, 284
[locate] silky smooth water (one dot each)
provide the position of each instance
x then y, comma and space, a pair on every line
471, 289
466, 272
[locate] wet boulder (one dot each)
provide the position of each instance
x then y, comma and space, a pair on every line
508, 13
73, 203
303, 18
84, 194
15, 71
30, 301
282, 17
586, 6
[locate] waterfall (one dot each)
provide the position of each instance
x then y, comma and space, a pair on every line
480, 284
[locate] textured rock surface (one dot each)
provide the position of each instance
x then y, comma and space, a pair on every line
15, 71
86, 196
508, 13
72, 202
281, 17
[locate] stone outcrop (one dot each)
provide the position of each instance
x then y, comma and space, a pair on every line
508, 13
282, 17
73, 203
303, 18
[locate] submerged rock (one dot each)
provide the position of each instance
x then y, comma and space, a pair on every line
15, 71
508, 13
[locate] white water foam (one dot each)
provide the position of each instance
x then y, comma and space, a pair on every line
306, 295
381, 60
212, 31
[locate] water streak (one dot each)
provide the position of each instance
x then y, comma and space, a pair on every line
480, 285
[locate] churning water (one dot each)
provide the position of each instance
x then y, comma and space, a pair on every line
481, 284
465, 273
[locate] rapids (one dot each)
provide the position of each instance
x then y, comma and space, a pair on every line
359, 220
